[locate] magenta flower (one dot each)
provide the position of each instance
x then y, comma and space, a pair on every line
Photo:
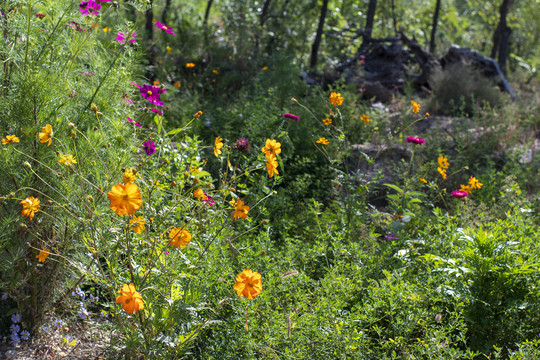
40, 16
157, 111
291, 116
167, 29
121, 37
152, 93
75, 25
149, 147
242, 145
391, 237
209, 200
136, 124
89, 7
416, 140
459, 194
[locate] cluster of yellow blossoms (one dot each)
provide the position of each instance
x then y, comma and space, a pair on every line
472, 185
271, 149
443, 165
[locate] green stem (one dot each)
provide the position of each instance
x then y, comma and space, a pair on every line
28, 15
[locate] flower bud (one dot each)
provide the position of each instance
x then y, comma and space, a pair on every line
94, 108
71, 125
27, 164
90, 198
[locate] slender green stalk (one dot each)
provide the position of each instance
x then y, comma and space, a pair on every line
28, 16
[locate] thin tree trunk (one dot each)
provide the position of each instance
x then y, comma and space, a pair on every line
165, 11
318, 36
394, 22
434, 26
369, 20
149, 29
501, 36
207, 13
265, 11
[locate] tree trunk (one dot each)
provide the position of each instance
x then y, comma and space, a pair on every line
501, 36
207, 13
369, 21
165, 11
394, 22
318, 36
434, 26
149, 29
265, 11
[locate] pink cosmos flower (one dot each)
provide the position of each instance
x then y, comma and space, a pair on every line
152, 93
291, 116
167, 29
459, 194
89, 7
416, 140
40, 16
121, 37
157, 111
136, 124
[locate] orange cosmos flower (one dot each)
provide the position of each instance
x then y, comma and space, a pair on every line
125, 199
199, 194
323, 141
365, 119
130, 299
10, 139
248, 284
415, 107
474, 183
271, 148
218, 144
129, 176
423, 180
240, 210
43, 254
30, 207
190, 65
46, 134
327, 121
138, 224
271, 166
197, 114
336, 99
179, 237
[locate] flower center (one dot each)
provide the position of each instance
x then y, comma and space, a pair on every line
127, 301
149, 93
125, 197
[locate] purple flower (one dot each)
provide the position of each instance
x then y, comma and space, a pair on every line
209, 200
391, 237
136, 124
243, 145
40, 16
459, 194
157, 111
121, 37
25, 335
89, 7
167, 29
88, 73
149, 147
416, 140
291, 116
14, 328
152, 93
75, 25
16, 318
4, 296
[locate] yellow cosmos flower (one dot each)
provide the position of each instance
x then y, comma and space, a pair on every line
323, 141
179, 237
422, 180
130, 299
466, 188
125, 199
443, 162
240, 210
415, 107
194, 170
271, 166
137, 224
43, 254
190, 65
336, 99
327, 121
46, 134
106, 29
474, 183
218, 144
197, 114
30, 207
67, 159
271, 148
10, 139
265, 68
248, 284
215, 71
442, 172
177, 84
169, 49
199, 194
129, 176
365, 119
